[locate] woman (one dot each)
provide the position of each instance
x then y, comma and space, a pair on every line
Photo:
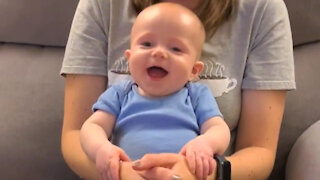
248, 66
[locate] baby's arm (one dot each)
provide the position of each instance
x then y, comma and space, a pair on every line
94, 141
214, 139
217, 134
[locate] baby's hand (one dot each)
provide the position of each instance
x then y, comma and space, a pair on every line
199, 156
107, 161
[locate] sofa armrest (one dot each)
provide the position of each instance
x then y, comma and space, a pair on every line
304, 158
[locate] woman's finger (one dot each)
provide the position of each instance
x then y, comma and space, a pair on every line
156, 160
159, 173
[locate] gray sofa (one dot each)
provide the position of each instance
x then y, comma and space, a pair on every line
33, 35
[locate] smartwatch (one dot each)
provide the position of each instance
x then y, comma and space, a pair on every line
223, 168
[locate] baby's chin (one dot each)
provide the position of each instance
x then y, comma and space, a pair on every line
157, 92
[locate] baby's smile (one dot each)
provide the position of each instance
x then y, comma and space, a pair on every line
156, 72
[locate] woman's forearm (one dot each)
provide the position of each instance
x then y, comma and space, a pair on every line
77, 108
253, 163
76, 159
257, 134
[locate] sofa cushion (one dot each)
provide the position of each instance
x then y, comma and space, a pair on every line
44, 22
304, 17
47, 22
302, 106
31, 96
304, 158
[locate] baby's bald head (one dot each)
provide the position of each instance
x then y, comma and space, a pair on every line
171, 15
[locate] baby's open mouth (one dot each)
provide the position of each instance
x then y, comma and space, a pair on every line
157, 72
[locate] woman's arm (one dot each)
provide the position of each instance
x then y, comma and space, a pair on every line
258, 132
81, 91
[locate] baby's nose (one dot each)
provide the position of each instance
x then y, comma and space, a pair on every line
159, 53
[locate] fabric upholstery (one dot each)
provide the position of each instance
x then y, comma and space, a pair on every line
304, 16
48, 22
31, 108
302, 106
42, 22
304, 158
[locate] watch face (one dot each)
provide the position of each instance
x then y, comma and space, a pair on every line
224, 168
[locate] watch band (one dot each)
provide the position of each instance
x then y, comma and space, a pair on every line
223, 168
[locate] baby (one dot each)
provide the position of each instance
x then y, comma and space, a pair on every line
160, 109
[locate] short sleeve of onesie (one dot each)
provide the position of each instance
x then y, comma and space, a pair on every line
86, 50
203, 102
270, 60
110, 100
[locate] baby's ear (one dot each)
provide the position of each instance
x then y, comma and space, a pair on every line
196, 70
127, 53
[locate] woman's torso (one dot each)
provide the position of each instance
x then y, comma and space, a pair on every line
241, 55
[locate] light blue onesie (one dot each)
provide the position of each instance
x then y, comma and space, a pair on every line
144, 125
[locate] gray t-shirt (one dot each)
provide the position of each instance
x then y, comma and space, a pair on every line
251, 51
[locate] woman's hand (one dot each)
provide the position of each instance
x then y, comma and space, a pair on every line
164, 166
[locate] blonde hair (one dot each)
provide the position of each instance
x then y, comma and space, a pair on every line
212, 13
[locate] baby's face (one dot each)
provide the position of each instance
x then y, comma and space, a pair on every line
164, 52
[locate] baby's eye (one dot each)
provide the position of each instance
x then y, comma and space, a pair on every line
146, 44
176, 49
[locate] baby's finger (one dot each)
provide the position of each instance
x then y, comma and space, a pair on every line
206, 167
104, 175
114, 168
124, 156
107, 176
191, 159
183, 151
199, 165
103, 170
212, 165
